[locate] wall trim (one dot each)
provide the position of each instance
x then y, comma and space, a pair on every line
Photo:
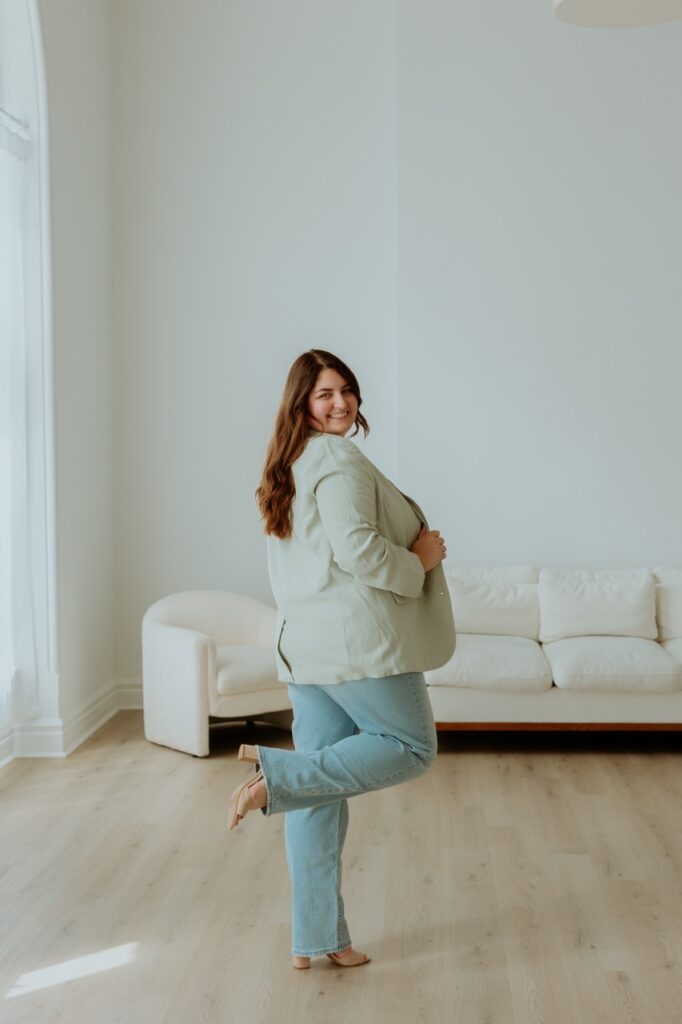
58, 737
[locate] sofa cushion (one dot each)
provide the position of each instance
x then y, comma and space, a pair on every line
673, 648
511, 663
612, 663
245, 667
502, 609
492, 573
603, 602
668, 602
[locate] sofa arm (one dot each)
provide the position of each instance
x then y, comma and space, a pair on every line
177, 665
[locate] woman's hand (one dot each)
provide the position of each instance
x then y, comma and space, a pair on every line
430, 547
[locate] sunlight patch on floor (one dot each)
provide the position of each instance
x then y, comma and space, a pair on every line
69, 970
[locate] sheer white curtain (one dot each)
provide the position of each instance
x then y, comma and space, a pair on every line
18, 662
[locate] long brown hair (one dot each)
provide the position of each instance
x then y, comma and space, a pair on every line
290, 436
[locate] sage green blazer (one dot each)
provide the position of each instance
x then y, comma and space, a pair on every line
352, 600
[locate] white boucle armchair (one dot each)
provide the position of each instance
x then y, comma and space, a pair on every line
208, 654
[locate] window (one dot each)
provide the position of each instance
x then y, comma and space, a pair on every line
28, 649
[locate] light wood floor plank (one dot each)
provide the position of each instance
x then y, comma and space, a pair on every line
524, 878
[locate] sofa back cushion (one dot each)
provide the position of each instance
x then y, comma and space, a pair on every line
492, 573
499, 601
597, 602
668, 602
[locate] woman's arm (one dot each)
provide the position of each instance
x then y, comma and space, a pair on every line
346, 499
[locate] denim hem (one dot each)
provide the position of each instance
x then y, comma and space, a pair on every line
319, 952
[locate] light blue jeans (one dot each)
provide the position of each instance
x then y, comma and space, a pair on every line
350, 738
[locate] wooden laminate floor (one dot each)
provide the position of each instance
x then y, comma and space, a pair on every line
524, 879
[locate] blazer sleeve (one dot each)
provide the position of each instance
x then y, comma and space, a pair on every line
346, 499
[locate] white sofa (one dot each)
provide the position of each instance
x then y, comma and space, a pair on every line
562, 648
536, 649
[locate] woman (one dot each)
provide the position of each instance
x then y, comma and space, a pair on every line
363, 611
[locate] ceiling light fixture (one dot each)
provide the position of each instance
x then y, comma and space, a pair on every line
617, 13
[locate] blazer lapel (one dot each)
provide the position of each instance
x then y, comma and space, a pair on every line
413, 503
416, 508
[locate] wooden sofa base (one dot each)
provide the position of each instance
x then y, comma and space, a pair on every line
559, 726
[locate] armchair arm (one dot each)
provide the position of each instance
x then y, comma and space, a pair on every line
177, 664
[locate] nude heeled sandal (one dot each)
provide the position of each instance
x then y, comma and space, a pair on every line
302, 963
341, 960
236, 797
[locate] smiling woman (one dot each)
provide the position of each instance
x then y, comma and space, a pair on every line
362, 611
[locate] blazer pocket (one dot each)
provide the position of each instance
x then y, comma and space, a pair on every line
400, 598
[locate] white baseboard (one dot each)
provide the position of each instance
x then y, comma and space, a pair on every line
57, 737
128, 694
7, 752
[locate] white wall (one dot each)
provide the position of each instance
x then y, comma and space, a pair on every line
254, 217
76, 37
540, 252
473, 204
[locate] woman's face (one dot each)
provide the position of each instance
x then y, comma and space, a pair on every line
332, 406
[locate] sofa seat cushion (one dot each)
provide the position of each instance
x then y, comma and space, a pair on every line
613, 664
509, 663
245, 667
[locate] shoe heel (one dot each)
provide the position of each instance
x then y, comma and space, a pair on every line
303, 963
243, 756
